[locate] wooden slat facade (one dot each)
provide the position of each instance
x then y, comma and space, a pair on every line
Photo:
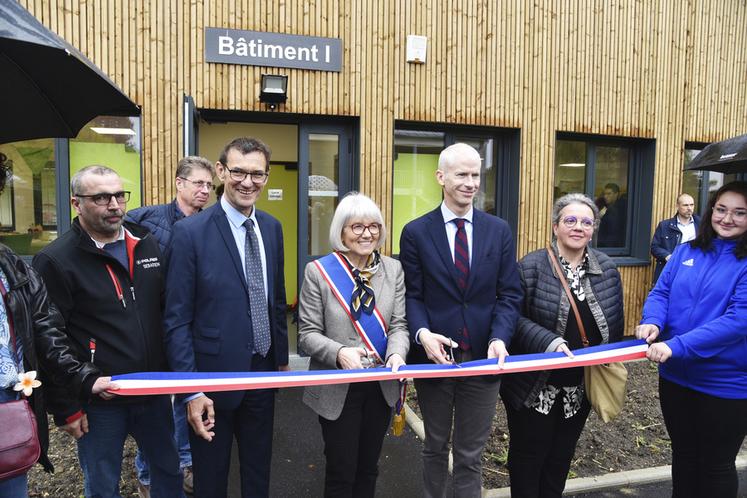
669, 70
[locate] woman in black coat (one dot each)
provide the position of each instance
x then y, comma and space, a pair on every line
547, 410
40, 346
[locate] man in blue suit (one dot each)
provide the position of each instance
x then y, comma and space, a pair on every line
225, 311
463, 299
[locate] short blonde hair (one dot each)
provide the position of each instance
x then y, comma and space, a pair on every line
354, 206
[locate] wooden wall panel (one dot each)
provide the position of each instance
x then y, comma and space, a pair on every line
669, 71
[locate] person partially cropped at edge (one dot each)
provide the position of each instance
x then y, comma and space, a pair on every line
547, 410
695, 319
41, 350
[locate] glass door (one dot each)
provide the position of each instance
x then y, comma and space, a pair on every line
325, 174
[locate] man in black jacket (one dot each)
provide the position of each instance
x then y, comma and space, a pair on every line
104, 275
681, 228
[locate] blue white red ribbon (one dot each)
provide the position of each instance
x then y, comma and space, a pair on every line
190, 382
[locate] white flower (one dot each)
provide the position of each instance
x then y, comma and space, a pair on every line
27, 382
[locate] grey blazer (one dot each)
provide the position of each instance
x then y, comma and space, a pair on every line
324, 328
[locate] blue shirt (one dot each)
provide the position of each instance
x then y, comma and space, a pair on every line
236, 221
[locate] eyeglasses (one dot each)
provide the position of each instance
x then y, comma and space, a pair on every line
199, 183
239, 175
572, 221
736, 215
359, 228
104, 198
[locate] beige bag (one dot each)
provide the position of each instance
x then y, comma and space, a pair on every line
605, 388
605, 384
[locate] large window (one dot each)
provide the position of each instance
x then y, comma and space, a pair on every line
618, 175
34, 206
28, 208
416, 151
702, 184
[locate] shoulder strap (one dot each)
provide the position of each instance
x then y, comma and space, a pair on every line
564, 282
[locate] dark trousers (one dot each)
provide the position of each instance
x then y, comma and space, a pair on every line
352, 443
706, 434
251, 423
541, 448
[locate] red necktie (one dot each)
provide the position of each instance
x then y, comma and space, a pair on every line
461, 262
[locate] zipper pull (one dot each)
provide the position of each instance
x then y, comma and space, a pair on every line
92, 347
132, 290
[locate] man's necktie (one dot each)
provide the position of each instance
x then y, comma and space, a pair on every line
256, 283
461, 261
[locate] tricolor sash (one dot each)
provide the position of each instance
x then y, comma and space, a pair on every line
371, 328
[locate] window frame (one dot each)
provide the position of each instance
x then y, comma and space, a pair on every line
62, 185
506, 151
640, 189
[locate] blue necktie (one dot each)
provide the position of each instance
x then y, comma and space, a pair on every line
461, 262
256, 284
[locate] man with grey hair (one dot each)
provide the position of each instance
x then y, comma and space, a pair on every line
94, 272
463, 298
194, 182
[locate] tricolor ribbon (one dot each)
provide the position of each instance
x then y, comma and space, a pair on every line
191, 382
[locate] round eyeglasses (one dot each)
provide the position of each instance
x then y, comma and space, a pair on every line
359, 228
572, 221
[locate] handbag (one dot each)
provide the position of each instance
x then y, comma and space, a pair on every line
605, 384
19, 439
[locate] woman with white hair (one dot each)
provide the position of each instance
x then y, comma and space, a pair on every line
351, 316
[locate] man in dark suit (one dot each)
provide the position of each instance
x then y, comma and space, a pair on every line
463, 292
670, 233
225, 311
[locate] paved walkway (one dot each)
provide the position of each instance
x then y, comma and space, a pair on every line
298, 463
298, 456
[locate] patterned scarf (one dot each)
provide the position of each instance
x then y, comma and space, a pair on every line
574, 276
363, 298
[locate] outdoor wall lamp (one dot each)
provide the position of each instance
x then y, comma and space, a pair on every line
273, 89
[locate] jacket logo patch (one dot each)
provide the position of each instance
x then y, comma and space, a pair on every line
689, 262
148, 262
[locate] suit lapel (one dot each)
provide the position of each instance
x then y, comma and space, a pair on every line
479, 244
221, 221
437, 231
268, 242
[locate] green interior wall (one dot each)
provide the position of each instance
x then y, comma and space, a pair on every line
415, 190
286, 211
114, 156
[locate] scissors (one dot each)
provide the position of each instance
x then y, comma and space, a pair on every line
452, 357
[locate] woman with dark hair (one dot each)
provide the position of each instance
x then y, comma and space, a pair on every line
695, 319
547, 410
31, 340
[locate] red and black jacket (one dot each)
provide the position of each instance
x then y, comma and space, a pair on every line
116, 309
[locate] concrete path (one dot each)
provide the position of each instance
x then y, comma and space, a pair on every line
298, 456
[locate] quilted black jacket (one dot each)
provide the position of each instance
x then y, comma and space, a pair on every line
545, 314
